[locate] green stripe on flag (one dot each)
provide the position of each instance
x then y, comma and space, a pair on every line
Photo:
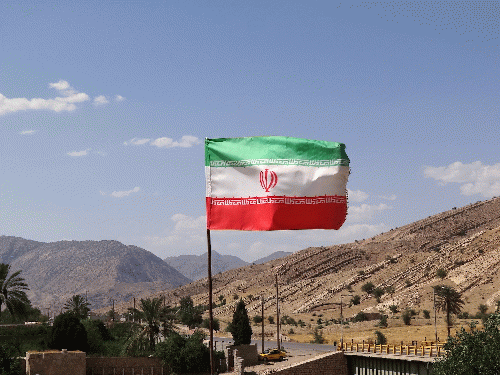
274, 150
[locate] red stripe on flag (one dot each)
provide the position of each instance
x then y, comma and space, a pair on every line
231, 213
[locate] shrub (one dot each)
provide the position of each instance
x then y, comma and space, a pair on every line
356, 300
383, 321
270, 318
257, 319
406, 316
380, 338
427, 314
360, 317
394, 308
318, 337
378, 293
368, 288
441, 273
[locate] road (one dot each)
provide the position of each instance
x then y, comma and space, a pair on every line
220, 342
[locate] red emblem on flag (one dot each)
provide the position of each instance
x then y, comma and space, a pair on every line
268, 179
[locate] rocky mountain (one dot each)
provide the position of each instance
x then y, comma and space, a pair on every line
194, 267
105, 270
462, 242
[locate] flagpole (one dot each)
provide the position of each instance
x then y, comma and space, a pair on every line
210, 312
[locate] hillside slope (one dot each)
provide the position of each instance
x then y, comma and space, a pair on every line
464, 242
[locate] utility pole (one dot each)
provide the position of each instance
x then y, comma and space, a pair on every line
113, 311
133, 313
277, 314
435, 316
262, 300
342, 321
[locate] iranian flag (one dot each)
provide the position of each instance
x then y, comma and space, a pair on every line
275, 183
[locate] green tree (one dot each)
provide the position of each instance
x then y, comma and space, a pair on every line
368, 288
12, 291
380, 338
78, 305
153, 313
448, 300
240, 325
68, 333
474, 352
10, 363
189, 314
215, 324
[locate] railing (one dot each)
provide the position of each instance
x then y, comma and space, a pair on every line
432, 350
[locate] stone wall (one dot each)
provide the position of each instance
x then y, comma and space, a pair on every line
326, 364
125, 366
55, 362
247, 352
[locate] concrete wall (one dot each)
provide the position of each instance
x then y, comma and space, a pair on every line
326, 364
55, 363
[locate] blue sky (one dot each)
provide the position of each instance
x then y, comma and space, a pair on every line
104, 107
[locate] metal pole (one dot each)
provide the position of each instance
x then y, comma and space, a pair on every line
262, 300
435, 317
134, 312
210, 312
277, 314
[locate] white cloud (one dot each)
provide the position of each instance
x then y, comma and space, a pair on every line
102, 192
60, 86
475, 178
28, 132
184, 222
137, 141
357, 196
186, 141
66, 102
100, 100
356, 214
391, 197
121, 194
79, 153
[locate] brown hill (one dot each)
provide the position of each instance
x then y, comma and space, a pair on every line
464, 242
105, 270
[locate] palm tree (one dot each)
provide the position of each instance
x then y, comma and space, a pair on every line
154, 315
449, 300
12, 291
78, 305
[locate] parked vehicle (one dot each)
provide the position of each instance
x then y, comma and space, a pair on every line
273, 355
